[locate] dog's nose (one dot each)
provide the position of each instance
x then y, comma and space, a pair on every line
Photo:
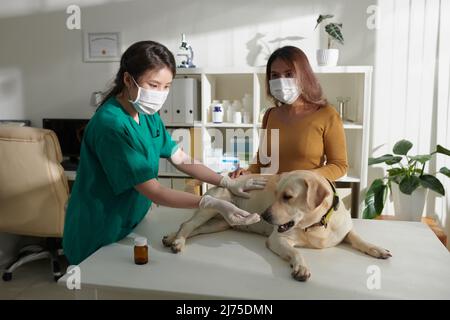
267, 215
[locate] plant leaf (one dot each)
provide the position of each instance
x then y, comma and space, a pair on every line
380, 198
334, 31
381, 159
421, 158
441, 149
431, 182
394, 160
375, 199
323, 17
396, 174
395, 171
445, 171
402, 147
409, 184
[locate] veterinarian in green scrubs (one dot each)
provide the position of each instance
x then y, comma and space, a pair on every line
117, 175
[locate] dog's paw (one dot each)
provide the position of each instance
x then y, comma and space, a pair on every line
300, 273
168, 240
378, 252
178, 245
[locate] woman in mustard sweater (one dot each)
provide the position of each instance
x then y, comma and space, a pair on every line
311, 133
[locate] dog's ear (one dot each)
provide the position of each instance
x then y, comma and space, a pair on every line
316, 192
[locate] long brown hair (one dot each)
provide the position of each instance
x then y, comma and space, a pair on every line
137, 59
297, 60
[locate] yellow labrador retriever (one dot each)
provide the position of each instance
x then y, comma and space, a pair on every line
299, 209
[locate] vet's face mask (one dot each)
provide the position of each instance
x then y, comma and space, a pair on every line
285, 90
148, 101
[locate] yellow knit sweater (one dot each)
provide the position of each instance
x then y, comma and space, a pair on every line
314, 142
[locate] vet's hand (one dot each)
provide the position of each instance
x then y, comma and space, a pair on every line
232, 214
239, 187
238, 172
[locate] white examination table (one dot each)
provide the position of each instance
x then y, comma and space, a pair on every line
234, 264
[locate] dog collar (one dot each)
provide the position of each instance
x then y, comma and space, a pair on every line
326, 217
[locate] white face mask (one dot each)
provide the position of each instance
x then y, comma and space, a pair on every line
285, 90
149, 101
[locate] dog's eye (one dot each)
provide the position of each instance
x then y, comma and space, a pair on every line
287, 197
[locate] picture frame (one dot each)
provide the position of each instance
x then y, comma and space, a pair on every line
102, 46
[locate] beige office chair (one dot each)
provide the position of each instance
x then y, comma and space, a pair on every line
33, 192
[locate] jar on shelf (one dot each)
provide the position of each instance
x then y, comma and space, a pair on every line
226, 105
247, 102
210, 109
236, 106
217, 113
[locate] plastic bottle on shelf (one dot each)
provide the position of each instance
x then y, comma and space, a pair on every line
236, 107
247, 101
246, 117
237, 117
217, 113
226, 105
210, 109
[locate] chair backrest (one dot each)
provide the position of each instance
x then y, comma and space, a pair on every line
33, 187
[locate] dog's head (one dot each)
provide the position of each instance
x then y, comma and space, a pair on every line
302, 199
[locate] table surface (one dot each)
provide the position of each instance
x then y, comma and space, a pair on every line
234, 264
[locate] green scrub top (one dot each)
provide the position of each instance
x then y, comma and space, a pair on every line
116, 154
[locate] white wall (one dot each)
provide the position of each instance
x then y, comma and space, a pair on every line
42, 74
45, 58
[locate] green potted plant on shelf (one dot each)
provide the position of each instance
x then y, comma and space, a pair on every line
329, 56
407, 182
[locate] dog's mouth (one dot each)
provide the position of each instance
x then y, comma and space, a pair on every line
285, 227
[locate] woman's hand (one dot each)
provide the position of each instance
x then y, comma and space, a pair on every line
238, 172
232, 214
238, 187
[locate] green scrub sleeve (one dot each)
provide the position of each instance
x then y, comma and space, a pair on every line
124, 166
169, 146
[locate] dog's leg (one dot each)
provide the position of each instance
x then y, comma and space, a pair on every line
216, 224
359, 244
262, 227
286, 250
199, 217
186, 228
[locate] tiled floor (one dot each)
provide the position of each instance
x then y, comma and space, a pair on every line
34, 281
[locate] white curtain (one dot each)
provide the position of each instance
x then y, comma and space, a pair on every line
411, 87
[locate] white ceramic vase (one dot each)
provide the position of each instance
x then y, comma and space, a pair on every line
327, 57
409, 207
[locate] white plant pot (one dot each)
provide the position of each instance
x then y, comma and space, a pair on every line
327, 57
409, 207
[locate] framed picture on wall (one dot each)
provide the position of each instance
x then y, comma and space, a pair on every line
101, 46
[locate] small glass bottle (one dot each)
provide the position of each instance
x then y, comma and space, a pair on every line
140, 250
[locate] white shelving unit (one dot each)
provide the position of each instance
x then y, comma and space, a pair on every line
232, 83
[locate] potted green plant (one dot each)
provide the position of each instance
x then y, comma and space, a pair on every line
407, 182
329, 56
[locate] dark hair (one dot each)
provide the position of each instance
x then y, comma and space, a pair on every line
137, 59
296, 59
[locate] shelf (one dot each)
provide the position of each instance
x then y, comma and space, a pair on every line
173, 174
352, 125
228, 125
347, 125
181, 125
349, 179
262, 70
233, 82
342, 69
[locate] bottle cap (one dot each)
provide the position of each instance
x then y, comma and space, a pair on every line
140, 241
